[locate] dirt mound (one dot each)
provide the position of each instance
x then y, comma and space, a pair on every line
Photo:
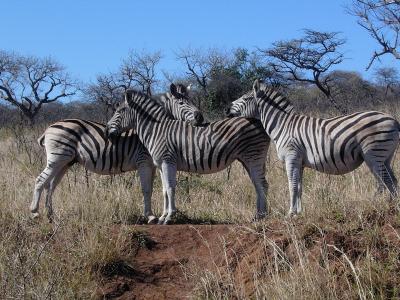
161, 263
157, 269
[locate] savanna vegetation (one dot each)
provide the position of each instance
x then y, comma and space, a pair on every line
345, 245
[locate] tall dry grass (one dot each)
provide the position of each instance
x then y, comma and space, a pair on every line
39, 260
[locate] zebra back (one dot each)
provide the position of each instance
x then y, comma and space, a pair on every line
334, 145
85, 142
195, 149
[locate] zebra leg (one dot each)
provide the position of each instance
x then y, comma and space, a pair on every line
146, 175
49, 197
294, 173
257, 176
165, 198
383, 174
300, 190
392, 182
42, 181
169, 173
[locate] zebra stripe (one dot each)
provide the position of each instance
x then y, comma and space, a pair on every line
79, 141
335, 145
179, 146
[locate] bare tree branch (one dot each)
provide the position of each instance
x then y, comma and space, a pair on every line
381, 18
36, 81
387, 77
200, 65
137, 70
308, 59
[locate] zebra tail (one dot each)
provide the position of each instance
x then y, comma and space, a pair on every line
41, 140
398, 127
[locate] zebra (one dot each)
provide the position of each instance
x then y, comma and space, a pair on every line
178, 146
178, 104
80, 141
335, 145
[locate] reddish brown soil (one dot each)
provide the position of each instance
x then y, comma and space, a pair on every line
160, 267
158, 271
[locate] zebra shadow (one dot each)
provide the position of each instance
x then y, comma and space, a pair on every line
179, 218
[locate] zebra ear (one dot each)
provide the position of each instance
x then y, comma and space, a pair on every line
163, 99
188, 88
128, 97
256, 86
174, 90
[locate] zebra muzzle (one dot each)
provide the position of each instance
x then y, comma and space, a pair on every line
198, 118
229, 113
111, 133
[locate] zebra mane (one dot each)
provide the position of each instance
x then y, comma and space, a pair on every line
274, 97
181, 93
158, 98
134, 96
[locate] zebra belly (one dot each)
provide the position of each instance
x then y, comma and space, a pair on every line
334, 166
104, 169
205, 167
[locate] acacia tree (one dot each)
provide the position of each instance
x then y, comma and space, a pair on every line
309, 59
381, 18
28, 82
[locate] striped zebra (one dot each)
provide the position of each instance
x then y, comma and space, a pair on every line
178, 104
179, 146
335, 145
79, 141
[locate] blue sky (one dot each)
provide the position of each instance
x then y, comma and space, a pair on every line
91, 37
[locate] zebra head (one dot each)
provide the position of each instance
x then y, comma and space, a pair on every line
258, 101
123, 117
245, 106
179, 106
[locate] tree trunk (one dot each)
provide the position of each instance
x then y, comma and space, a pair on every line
336, 105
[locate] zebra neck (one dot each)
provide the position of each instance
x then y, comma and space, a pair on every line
149, 125
275, 121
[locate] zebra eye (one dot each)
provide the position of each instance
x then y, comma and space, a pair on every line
180, 102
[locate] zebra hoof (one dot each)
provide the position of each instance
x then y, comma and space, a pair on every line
167, 222
152, 220
35, 215
292, 215
160, 222
259, 216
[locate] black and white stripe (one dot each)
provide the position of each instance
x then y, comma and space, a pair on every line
79, 141
179, 146
178, 104
335, 145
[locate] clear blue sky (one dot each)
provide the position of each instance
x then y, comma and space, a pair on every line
91, 37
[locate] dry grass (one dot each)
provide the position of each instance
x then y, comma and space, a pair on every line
61, 261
